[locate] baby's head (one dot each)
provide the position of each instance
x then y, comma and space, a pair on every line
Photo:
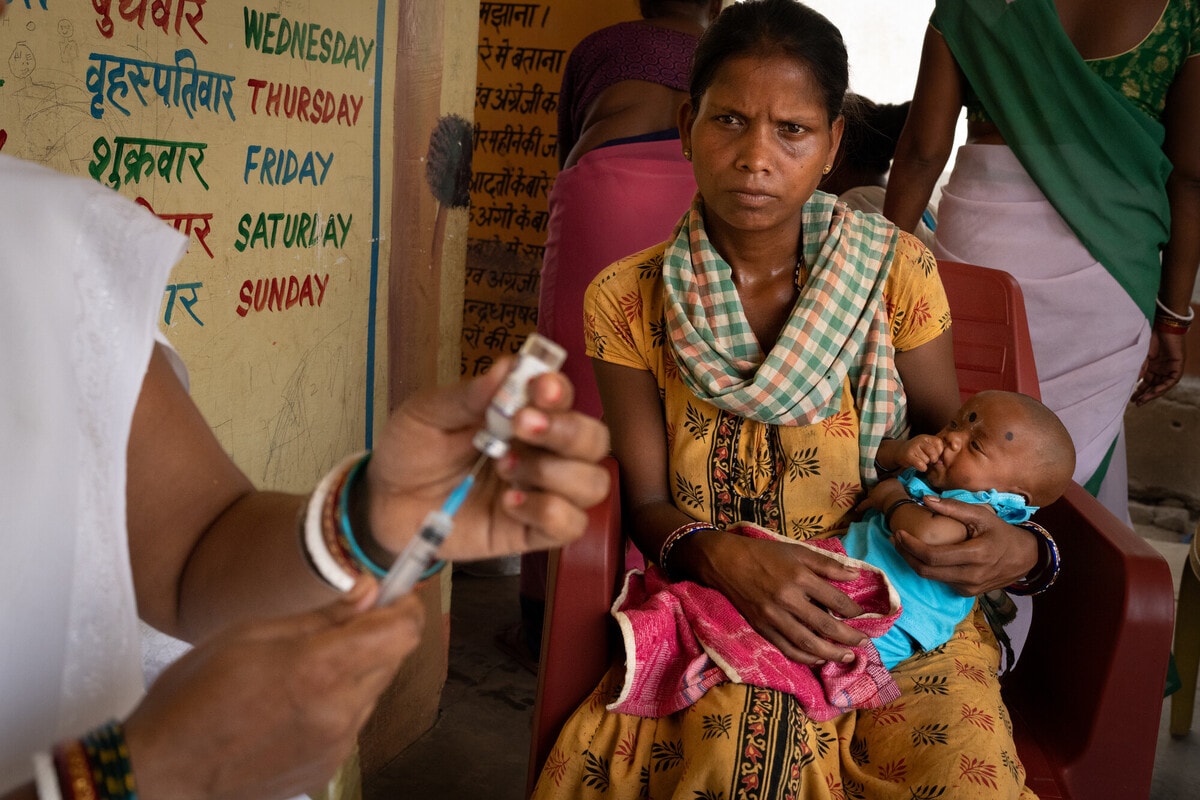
1008, 442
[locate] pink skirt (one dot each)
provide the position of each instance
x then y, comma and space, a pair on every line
613, 202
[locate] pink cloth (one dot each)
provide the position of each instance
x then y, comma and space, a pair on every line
681, 639
616, 201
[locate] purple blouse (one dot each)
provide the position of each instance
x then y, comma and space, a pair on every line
626, 51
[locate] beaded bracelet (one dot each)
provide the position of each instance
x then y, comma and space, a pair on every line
677, 536
1045, 573
109, 756
96, 767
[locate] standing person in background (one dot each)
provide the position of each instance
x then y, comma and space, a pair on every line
624, 181
1081, 177
119, 502
859, 175
624, 184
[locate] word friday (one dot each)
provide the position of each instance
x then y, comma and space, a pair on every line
281, 294
299, 230
281, 167
271, 34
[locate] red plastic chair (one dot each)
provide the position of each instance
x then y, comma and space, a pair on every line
1086, 693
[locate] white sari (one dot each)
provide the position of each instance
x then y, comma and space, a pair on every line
1089, 337
84, 270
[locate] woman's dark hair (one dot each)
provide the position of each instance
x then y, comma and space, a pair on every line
774, 27
872, 130
654, 8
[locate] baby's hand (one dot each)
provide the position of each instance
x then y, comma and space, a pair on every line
920, 451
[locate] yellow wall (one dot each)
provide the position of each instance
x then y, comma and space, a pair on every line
523, 49
263, 137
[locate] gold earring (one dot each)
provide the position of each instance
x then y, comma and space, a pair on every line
687, 154
827, 168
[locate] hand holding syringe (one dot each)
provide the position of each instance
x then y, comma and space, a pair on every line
537, 356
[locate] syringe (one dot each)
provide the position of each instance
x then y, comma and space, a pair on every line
537, 355
418, 554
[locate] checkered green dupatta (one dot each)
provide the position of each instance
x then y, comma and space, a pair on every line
838, 327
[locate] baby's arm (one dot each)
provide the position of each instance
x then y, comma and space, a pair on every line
905, 514
918, 452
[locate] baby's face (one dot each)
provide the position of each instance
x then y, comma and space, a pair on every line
988, 445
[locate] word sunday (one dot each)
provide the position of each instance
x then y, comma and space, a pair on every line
160, 15
281, 294
301, 103
272, 34
299, 230
281, 167
181, 85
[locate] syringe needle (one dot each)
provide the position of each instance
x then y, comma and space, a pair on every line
419, 553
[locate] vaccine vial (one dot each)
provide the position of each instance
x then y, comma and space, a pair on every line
538, 355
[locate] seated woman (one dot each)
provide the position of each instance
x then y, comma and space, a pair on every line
749, 368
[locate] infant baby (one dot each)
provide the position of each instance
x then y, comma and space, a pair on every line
1002, 449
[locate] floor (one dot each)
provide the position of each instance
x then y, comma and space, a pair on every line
479, 745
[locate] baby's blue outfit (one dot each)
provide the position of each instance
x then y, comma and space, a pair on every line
930, 610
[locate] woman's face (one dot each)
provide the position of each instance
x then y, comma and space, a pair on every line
760, 138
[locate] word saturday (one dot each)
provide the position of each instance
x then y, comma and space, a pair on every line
299, 230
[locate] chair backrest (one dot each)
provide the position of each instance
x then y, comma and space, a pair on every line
992, 349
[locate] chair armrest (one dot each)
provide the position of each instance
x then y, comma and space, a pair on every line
1088, 687
587, 572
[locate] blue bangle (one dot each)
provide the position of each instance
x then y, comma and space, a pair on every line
346, 530
432, 569
1049, 564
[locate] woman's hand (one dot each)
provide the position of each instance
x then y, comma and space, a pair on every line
271, 709
783, 591
994, 554
535, 497
1162, 368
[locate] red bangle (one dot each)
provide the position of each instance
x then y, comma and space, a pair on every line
1170, 327
677, 536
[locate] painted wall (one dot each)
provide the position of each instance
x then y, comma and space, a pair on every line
522, 51
255, 128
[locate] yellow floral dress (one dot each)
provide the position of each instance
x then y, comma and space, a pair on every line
948, 736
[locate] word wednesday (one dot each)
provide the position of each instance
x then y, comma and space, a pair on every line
272, 34
299, 230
